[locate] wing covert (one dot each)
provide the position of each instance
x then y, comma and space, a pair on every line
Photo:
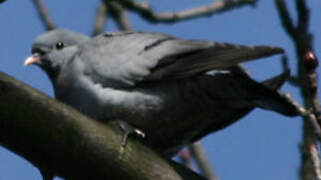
123, 59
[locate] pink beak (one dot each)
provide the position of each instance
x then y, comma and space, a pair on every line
32, 59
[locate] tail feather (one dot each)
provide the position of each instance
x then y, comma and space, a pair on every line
276, 82
270, 98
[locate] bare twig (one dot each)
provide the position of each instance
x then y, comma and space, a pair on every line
285, 17
303, 16
309, 91
145, 11
309, 88
310, 63
186, 158
195, 151
116, 10
308, 83
44, 15
315, 158
308, 115
202, 161
309, 151
100, 21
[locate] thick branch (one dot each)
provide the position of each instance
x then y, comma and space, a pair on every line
44, 15
314, 153
58, 139
145, 11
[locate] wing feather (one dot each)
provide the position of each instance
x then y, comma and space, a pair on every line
125, 58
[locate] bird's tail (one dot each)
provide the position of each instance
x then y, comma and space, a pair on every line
270, 98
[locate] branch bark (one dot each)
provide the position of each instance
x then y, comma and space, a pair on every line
100, 21
285, 18
44, 15
202, 161
146, 12
117, 11
307, 76
58, 139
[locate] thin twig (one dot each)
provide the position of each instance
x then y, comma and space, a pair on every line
285, 17
303, 16
44, 15
309, 116
186, 158
100, 21
202, 161
118, 13
145, 11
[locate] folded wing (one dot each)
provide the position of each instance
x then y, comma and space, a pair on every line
124, 59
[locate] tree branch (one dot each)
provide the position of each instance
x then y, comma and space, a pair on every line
44, 15
146, 12
308, 84
303, 16
201, 160
311, 168
100, 21
186, 158
315, 161
285, 17
309, 116
58, 139
117, 11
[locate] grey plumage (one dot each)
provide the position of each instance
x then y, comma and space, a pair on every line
175, 90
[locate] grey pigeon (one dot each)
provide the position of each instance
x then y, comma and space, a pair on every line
174, 90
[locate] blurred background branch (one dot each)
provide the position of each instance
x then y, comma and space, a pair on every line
202, 161
44, 15
118, 12
146, 12
100, 20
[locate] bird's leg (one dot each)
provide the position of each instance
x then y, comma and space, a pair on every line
128, 129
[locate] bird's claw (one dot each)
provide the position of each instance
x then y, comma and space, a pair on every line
128, 129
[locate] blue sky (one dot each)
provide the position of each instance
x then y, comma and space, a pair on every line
264, 145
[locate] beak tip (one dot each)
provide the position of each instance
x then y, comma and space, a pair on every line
31, 60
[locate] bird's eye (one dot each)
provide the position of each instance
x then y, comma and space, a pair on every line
59, 45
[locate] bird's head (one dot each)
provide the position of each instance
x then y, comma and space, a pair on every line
52, 50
